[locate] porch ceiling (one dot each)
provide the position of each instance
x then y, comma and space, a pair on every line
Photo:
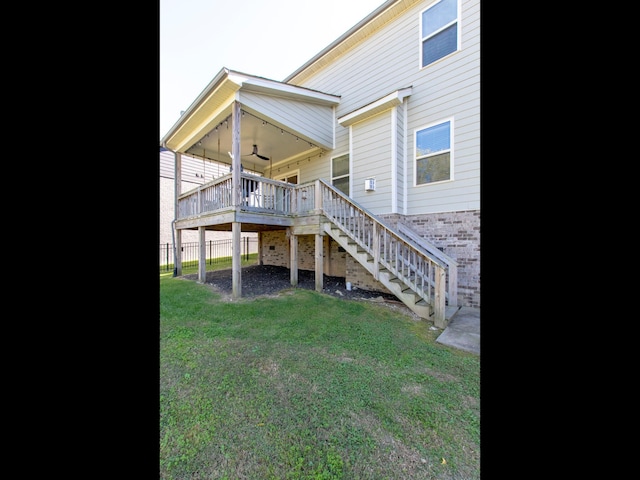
284, 121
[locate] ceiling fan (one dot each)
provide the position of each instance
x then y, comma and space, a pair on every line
256, 154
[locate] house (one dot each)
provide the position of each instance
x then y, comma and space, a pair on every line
367, 158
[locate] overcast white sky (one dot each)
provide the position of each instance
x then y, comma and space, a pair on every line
267, 38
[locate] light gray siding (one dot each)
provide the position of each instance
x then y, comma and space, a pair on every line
312, 120
371, 158
389, 60
311, 167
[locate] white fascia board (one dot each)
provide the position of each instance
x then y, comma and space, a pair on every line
272, 87
385, 103
227, 81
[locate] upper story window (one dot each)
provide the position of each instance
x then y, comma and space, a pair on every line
340, 173
439, 31
433, 153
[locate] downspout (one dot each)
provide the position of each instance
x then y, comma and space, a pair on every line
163, 147
173, 242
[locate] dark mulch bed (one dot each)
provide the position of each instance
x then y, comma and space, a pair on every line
270, 280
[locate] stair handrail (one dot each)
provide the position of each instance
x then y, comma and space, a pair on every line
432, 249
423, 273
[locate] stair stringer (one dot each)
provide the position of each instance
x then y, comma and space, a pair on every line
403, 292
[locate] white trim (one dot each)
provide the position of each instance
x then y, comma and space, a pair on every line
290, 173
452, 138
385, 103
394, 160
332, 157
405, 156
421, 38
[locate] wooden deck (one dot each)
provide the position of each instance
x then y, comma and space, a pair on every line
264, 204
257, 204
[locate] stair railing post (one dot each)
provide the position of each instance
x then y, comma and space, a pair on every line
439, 298
376, 251
318, 197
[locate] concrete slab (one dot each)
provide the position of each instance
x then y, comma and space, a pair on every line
463, 330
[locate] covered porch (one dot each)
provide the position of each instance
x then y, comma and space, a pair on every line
252, 124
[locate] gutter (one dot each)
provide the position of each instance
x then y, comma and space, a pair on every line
173, 242
163, 148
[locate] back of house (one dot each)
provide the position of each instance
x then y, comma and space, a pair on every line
400, 109
407, 129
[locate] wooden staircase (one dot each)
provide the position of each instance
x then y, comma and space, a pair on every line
394, 284
414, 276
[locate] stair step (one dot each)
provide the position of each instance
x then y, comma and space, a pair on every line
385, 274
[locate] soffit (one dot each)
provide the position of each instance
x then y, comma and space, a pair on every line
283, 120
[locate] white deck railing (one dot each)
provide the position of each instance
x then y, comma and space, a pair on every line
259, 194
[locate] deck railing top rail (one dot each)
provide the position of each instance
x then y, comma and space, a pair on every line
374, 219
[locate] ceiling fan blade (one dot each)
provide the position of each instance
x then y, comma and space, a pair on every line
256, 154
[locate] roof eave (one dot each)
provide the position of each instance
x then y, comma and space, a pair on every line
230, 80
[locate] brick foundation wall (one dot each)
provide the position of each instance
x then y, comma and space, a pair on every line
361, 278
275, 251
274, 248
456, 233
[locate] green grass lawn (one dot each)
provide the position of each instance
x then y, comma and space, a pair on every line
310, 386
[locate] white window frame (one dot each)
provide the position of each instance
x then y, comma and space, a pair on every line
347, 175
290, 173
422, 39
450, 150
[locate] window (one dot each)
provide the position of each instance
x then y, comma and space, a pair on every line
433, 154
340, 173
291, 177
439, 31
